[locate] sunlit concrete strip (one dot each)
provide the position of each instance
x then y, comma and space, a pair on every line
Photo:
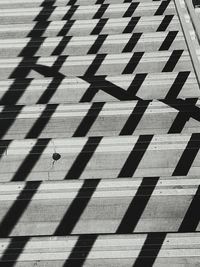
85, 27
48, 205
24, 15
107, 64
114, 118
37, 3
81, 45
71, 89
157, 155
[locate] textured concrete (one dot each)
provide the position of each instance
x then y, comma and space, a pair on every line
99, 135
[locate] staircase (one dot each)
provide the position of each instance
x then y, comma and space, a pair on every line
99, 135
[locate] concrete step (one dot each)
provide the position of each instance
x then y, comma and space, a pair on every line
110, 88
111, 44
180, 249
98, 206
105, 157
24, 15
48, 3
100, 119
100, 64
91, 27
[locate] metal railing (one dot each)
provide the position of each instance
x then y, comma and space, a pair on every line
190, 44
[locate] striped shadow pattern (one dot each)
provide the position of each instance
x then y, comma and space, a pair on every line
99, 114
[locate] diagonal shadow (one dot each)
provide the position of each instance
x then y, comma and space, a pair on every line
137, 206
18, 208
83, 158
100, 83
132, 162
29, 162
183, 116
23, 69
192, 216
84, 243
135, 117
4, 144
150, 250
188, 156
10, 220
89, 119
77, 207
80, 251
193, 111
13, 251
42, 121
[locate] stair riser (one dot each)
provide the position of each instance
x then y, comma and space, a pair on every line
127, 262
112, 11
102, 215
70, 90
106, 160
114, 26
83, 47
38, 3
112, 121
115, 64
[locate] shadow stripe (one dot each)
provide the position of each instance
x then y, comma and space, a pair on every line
182, 117
168, 40
66, 28
179, 104
172, 61
95, 65
30, 161
136, 155
178, 84
188, 156
135, 117
13, 251
61, 46
192, 216
132, 42
162, 7
131, 25
6, 124
136, 84
137, 206
70, 12
132, 64
17, 209
42, 121
165, 23
100, 12
99, 27
99, 2
76, 208
83, 158
71, 2
50, 91
15, 91
100, 83
150, 250
97, 44
131, 9
89, 119
56, 81
80, 251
